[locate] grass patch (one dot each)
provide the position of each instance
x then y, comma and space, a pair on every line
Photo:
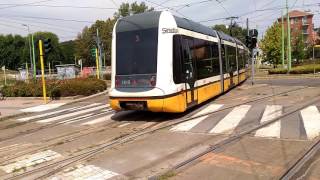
305, 69
167, 175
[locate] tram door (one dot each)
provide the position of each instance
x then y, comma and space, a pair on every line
189, 72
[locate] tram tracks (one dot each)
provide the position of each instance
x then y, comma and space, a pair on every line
56, 167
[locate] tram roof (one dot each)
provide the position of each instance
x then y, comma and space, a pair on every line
139, 21
151, 20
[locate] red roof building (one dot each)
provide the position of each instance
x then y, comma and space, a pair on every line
301, 22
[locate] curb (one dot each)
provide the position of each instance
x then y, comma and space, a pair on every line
72, 102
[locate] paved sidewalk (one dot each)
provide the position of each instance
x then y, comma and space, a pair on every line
16, 106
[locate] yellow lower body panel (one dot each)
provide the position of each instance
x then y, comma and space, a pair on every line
178, 102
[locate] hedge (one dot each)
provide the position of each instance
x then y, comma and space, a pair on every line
56, 88
305, 69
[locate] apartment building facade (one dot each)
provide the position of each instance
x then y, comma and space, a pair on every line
301, 23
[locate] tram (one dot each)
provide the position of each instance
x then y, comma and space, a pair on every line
164, 63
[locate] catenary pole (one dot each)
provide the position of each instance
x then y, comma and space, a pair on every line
282, 40
34, 59
289, 37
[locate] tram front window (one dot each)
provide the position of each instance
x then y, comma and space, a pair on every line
136, 52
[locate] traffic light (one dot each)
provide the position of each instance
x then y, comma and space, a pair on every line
251, 40
47, 46
93, 52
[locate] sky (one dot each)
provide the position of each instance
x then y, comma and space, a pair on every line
67, 18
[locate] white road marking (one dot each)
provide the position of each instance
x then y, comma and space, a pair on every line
186, 126
231, 121
311, 121
123, 125
30, 160
85, 172
72, 114
273, 129
99, 120
146, 125
56, 112
41, 108
76, 119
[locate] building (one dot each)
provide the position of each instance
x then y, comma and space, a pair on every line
301, 23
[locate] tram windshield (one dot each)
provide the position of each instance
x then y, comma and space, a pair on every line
136, 52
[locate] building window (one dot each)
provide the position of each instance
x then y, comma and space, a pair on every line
304, 20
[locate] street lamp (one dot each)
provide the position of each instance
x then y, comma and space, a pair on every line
32, 54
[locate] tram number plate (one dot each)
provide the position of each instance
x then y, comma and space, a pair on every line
135, 105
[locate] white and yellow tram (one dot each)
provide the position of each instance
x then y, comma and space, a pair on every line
163, 63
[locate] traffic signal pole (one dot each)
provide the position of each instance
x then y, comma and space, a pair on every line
97, 64
44, 91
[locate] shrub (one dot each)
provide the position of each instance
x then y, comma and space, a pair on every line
305, 69
278, 71
55, 89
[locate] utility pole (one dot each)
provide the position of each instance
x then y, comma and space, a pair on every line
282, 40
5, 76
231, 23
34, 60
289, 37
29, 40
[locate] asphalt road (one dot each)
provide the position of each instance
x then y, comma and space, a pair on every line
54, 136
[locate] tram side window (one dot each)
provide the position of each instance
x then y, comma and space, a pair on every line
215, 58
232, 58
241, 58
225, 59
177, 59
202, 55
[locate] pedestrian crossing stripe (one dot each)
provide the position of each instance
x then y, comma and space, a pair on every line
43, 107
231, 121
52, 119
311, 121
273, 129
186, 126
56, 112
310, 117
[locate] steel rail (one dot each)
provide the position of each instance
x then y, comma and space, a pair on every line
130, 137
237, 136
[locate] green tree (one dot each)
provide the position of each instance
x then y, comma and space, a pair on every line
14, 51
271, 44
67, 50
298, 47
127, 9
237, 31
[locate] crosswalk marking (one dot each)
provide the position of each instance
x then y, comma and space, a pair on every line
56, 112
99, 120
272, 130
186, 126
41, 108
72, 114
311, 120
123, 125
30, 160
231, 121
76, 119
85, 172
